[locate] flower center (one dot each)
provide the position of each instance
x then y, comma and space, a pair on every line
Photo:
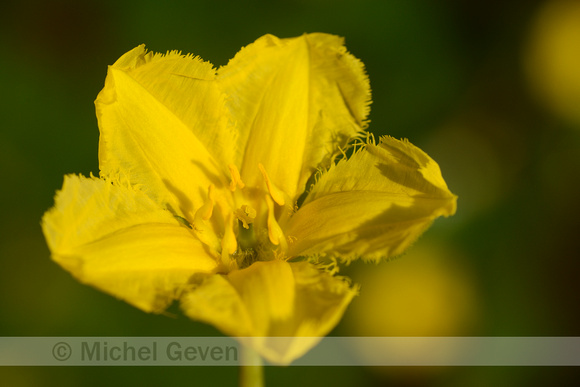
242, 223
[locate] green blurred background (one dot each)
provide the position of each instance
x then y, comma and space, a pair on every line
489, 88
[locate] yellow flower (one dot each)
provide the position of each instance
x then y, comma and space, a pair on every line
201, 195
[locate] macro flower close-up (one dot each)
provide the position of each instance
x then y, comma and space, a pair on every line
239, 191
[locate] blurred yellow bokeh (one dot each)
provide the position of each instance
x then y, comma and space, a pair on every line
429, 292
552, 58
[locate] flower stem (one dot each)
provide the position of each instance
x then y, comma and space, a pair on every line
251, 375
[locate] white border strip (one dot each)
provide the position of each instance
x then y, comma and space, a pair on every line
330, 351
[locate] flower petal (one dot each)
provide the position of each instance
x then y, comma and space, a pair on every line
163, 124
295, 102
118, 240
373, 205
280, 309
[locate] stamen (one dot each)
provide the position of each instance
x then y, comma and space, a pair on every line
206, 210
275, 233
276, 193
202, 229
229, 243
236, 178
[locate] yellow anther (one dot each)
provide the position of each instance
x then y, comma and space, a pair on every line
246, 215
275, 233
206, 210
201, 227
229, 243
236, 178
276, 193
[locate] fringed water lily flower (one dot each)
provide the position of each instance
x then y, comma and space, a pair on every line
230, 190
